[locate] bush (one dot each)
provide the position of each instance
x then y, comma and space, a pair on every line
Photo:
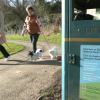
56, 29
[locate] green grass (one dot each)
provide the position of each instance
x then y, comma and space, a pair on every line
92, 91
46, 94
53, 38
14, 46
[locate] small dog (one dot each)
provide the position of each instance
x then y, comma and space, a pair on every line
53, 52
38, 50
36, 55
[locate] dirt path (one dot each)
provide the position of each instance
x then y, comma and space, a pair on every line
21, 79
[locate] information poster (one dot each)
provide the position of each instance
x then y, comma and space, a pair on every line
90, 72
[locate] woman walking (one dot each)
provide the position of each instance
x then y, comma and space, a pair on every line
31, 24
2, 35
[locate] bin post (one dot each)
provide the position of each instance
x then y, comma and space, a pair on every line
65, 35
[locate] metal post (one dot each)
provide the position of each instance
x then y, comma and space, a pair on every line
65, 50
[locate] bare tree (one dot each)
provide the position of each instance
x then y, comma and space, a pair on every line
15, 7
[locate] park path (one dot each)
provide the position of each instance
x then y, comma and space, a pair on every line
21, 79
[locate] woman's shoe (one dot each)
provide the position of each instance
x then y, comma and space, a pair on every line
8, 58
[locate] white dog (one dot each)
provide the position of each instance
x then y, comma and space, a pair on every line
35, 56
53, 52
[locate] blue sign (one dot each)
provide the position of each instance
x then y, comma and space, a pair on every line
90, 72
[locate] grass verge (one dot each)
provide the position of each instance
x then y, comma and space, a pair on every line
53, 38
14, 46
52, 94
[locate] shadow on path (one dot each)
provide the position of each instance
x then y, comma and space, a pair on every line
39, 62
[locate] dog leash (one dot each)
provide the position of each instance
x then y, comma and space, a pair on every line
21, 55
43, 35
10, 48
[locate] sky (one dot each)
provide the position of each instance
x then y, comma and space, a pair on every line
48, 0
